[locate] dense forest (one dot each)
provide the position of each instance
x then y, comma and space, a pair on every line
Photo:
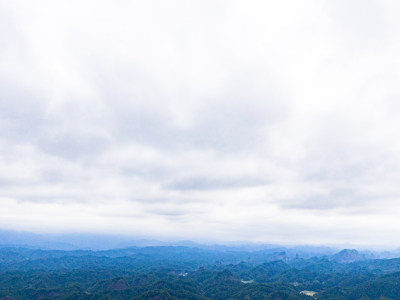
193, 273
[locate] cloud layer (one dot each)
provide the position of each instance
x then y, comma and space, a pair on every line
208, 120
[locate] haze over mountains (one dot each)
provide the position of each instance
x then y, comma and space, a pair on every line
100, 242
104, 242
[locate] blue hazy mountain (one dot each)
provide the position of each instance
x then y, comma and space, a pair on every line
95, 266
189, 272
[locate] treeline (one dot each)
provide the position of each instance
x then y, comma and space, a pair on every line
202, 284
190, 273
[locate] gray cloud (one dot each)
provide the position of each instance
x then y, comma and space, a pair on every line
210, 183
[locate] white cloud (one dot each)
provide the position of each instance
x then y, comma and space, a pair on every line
273, 121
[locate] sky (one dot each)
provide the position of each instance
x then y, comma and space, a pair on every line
262, 121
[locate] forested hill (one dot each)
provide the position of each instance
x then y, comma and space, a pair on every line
194, 273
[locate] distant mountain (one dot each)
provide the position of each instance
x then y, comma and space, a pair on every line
32, 240
181, 273
348, 256
261, 252
71, 241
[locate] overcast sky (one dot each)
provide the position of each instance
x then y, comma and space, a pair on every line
272, 121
